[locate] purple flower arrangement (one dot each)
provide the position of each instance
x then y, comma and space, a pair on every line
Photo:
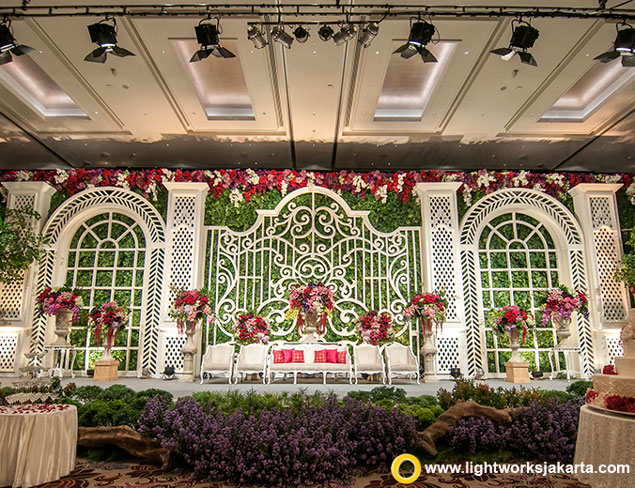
317, 445
546, 432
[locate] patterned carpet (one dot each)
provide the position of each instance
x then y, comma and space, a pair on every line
124, 475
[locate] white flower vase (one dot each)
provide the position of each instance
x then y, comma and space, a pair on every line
514, 344
563, 328
429, 352
189, 352
63, 320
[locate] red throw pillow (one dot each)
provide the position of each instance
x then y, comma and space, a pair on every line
297, 356
320, 356
278, 356
331, 355
287, 355
341, 357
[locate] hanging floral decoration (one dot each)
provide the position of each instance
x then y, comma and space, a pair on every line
190, 306
110, 317
243, 184
509, 320
52, 300
429, 308
375, 328
314, 297
562, 302
251, 329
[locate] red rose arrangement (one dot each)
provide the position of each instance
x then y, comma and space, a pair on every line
52, 300
190, 306
110, 317
375, 328
314, 297
429, 308
510, 320
251, 329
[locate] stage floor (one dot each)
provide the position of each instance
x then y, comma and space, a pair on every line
179, 389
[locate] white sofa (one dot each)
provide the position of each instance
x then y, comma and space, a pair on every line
218, 360
309, 366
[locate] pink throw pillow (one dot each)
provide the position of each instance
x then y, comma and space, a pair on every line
287, 355
320, 356
331, 355
297, 356
341, 357
278, 357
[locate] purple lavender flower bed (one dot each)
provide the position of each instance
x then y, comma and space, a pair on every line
545, 432
318, 445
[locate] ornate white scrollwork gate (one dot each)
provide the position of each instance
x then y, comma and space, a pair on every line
312, 235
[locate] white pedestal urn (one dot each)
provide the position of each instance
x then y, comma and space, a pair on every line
309, 331
429, 351
63, 320
189, 351
514, 344
516, 370
563, 328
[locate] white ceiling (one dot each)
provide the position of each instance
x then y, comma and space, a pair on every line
314, 104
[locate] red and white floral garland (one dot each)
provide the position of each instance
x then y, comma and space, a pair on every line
243, 184
35, 408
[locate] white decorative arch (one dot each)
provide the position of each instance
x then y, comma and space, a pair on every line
61, 226
304, 239
567, 234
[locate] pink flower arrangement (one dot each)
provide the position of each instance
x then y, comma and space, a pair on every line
562, 302
111, 317
314, 297
190, 306
375, 328
251, 329
52, 300
509, 320
429, 308
373, 184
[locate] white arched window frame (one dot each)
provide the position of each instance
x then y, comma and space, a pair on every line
564, 230
60, 230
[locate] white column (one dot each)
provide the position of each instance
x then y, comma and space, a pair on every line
16, 299
596, 208
185, 254
440, 271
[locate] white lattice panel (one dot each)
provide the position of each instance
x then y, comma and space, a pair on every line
443, 267
440, 211
172, 355
23, 201
601, 214
8, 347
183, 235
184, 210
611, 291
613, 348
11, 300
448, 354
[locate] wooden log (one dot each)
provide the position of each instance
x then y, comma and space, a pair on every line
427, 439
127, 439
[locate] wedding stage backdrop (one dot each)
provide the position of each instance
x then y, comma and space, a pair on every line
510, 246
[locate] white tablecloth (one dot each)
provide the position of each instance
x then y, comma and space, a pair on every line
606, 438
37, 443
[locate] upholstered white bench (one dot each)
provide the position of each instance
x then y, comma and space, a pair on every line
309, 352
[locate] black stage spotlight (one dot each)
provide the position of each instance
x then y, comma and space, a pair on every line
279, 35
105, 36
346, 33
325, 32
623, 47
8, 44
368, 33
420, 34
255, 36
301, 34
523, 37
207, 37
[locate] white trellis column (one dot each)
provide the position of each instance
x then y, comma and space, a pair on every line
16, 300
596, 208
440, 270
184, 262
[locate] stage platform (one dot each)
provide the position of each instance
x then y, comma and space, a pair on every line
179, 389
